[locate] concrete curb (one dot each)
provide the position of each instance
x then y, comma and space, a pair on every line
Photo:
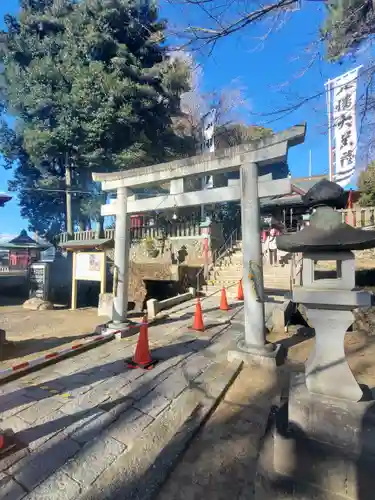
155, 306
102, 336
52, 357
56, 356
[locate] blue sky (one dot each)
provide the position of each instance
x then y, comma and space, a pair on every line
279, 72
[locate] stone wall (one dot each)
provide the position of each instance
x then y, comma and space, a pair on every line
187, 250
175, 259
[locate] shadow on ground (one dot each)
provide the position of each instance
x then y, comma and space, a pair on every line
206, 471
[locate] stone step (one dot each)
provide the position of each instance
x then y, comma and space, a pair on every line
235, 258
270, 280
280, 270
212, 289
238, 267
276, 279
277, 285
231, 288
236, 276
228, 274
224, 283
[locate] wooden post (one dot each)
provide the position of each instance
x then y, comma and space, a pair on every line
103, 280
68, 194
74, 284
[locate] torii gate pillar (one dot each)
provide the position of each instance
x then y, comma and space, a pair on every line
252, 279
253, 344
121, 262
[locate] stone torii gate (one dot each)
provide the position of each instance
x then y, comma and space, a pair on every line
250, 159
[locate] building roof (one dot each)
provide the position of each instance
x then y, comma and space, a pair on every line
4, 198
23, 240
87, 244
302, 183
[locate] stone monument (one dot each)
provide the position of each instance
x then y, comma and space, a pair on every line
323, 445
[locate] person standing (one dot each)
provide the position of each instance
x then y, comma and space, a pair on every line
272, 247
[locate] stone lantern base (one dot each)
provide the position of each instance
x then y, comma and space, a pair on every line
321, 448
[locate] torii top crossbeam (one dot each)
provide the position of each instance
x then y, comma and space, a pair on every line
263, 151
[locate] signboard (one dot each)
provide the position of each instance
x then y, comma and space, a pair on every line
39, 281
89, 265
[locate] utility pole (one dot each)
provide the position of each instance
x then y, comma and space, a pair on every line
68, 193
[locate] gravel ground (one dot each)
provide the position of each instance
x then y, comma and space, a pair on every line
359, 348
33, 333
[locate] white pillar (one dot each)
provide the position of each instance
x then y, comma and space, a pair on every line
122, 245
176, 186
252, 259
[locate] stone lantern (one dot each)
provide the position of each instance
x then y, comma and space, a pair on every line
331, 296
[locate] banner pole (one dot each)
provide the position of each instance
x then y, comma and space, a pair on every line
329, 89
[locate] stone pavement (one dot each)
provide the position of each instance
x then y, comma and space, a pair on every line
80, 417
221, 462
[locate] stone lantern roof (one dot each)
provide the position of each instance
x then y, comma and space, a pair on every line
326, 232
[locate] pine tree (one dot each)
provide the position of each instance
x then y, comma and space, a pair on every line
90, 84
366, 186
349, 22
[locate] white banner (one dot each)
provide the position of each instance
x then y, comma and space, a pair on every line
344, 126
208, 130
208, 142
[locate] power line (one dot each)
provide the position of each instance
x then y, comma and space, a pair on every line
77, 191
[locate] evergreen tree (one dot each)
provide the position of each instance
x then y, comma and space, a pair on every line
349, 22
366, 186
235, 134
90, 85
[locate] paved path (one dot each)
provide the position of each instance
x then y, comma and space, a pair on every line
59, 412
221, 462
88, 420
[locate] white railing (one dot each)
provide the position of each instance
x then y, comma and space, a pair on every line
218, 255
170, 230
359, 216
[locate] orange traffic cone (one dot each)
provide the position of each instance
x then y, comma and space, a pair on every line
198, 324
223, 301
240, 295
142, 357
7, 442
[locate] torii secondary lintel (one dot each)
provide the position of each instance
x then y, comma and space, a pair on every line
248, 159
204, 197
